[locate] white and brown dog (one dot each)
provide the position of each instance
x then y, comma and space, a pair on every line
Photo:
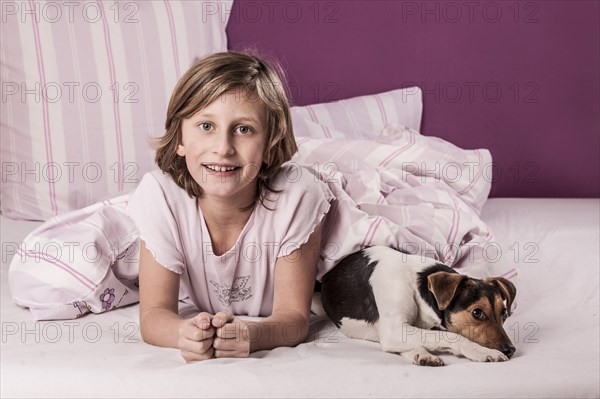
413, 305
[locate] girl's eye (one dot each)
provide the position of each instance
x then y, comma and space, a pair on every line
244, 129
478, 314
205, 126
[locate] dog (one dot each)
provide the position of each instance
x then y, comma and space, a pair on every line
413, 305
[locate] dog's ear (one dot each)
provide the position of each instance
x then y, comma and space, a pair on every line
508, 291
443, 286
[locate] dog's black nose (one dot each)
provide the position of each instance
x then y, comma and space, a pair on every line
507, 349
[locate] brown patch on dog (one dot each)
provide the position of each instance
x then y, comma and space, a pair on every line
487, 331
508, 291
443, 286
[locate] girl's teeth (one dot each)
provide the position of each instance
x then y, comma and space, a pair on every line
221, 168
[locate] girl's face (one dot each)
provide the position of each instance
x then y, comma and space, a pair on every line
223, 144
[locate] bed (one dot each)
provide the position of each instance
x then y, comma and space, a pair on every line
82, 146
555, 328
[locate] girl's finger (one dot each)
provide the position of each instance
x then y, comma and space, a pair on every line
194, 357
225, 344
197, 347
203, 320
232, 330
192, 332
221, 318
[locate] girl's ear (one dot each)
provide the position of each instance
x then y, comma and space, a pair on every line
180, 150
179, 137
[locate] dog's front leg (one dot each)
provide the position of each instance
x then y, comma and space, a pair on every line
393, 338
414, 343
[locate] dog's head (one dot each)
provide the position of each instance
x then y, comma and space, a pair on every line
475, 309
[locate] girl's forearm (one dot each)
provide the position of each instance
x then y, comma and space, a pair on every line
160, 327
284, 328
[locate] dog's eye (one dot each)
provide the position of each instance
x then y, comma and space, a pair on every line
478, 314
504, 314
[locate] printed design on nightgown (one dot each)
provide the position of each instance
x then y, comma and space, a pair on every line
82, 306
236, 292
107, 298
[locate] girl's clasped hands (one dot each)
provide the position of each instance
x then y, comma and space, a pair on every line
206, 337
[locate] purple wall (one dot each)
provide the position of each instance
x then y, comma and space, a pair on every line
521, 79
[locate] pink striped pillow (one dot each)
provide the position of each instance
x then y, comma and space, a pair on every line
84, 85
360, 117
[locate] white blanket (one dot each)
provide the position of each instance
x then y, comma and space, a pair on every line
555, 328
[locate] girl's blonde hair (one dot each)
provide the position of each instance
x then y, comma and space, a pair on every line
203, 83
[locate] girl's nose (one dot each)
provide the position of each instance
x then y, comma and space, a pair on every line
224, 145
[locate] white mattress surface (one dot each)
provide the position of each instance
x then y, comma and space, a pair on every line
554, 243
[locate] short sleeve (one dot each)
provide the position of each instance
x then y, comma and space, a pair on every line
150, 210
303, 204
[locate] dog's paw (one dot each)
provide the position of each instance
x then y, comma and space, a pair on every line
421, 357
479, 353
501, 357
428, 360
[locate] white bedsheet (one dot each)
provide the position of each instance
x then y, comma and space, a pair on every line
553, 242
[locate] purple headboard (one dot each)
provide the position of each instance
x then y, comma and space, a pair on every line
519, 78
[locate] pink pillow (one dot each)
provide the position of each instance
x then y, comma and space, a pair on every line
360, 117
84, 85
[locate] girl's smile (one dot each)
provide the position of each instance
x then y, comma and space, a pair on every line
221, 170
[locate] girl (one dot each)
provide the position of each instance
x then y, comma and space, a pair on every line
225, 218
